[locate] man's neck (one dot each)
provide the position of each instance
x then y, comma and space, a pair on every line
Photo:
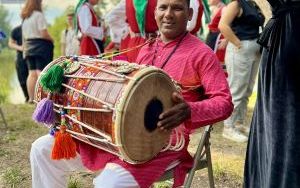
167, 40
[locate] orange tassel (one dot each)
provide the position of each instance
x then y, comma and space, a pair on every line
64, 146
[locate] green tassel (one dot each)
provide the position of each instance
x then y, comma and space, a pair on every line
53, 78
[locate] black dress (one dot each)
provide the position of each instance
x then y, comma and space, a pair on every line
273, 153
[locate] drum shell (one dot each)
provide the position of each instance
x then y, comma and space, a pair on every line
115, 126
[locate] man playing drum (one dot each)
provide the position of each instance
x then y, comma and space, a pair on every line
128, 29
205, 99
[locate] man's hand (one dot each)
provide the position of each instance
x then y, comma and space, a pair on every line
176, 115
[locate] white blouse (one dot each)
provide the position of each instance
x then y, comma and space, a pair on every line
85, 23
32, 26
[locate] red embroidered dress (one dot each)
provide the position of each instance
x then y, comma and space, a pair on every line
139, 37
88, 45
196, 22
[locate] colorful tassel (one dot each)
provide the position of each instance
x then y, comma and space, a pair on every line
53, 78
64, 146
52, 131
44, 112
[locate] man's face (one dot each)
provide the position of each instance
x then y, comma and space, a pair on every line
171, 17
93, 2
70, 20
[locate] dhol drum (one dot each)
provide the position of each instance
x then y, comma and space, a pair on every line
113, 105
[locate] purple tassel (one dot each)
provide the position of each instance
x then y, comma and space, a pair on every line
44, 112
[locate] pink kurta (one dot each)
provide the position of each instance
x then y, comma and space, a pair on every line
192, 64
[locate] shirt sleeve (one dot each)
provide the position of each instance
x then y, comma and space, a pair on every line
217, 104
13, 34
85, 24
41, 21
116, 20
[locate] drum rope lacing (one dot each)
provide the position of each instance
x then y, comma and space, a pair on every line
107, 138
180, 140
109, 55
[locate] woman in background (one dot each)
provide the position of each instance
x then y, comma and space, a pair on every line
273, 150
38, 44
15, 42
240, 22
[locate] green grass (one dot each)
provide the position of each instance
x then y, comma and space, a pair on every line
6, 71
12, 177
3, 152
74, 182
15, 143
228, 167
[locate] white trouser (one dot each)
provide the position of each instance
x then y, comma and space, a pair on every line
242, 66
48, 173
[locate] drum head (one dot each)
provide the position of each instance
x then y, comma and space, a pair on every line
139, 135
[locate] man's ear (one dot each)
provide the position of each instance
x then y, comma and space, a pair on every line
191, 12
155, 13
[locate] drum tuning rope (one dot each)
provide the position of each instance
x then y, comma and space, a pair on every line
109, 55
110, 106
96, 78
83, 109
107, 137
107, 71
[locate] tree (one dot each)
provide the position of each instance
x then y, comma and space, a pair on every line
4, 24
55, 30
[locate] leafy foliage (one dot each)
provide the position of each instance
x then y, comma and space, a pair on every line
6, 71
4, 24
55, 31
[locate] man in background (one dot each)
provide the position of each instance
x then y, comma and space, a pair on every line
15, 42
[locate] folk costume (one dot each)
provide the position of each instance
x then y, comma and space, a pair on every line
92, 34
214, 36
196, 23
194, 66
142, 24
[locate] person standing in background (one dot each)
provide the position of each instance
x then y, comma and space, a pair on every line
69, 41
15, 42
273, 151
38, 44
214, 39
195, 24
86, 21
240, 24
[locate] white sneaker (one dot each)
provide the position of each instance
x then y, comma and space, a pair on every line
234, 135
243, 128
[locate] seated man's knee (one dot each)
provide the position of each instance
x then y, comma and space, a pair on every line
42, 146
115, 176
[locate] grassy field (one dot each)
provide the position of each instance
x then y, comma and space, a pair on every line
15, 142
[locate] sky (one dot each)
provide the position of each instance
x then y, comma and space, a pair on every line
54, 8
